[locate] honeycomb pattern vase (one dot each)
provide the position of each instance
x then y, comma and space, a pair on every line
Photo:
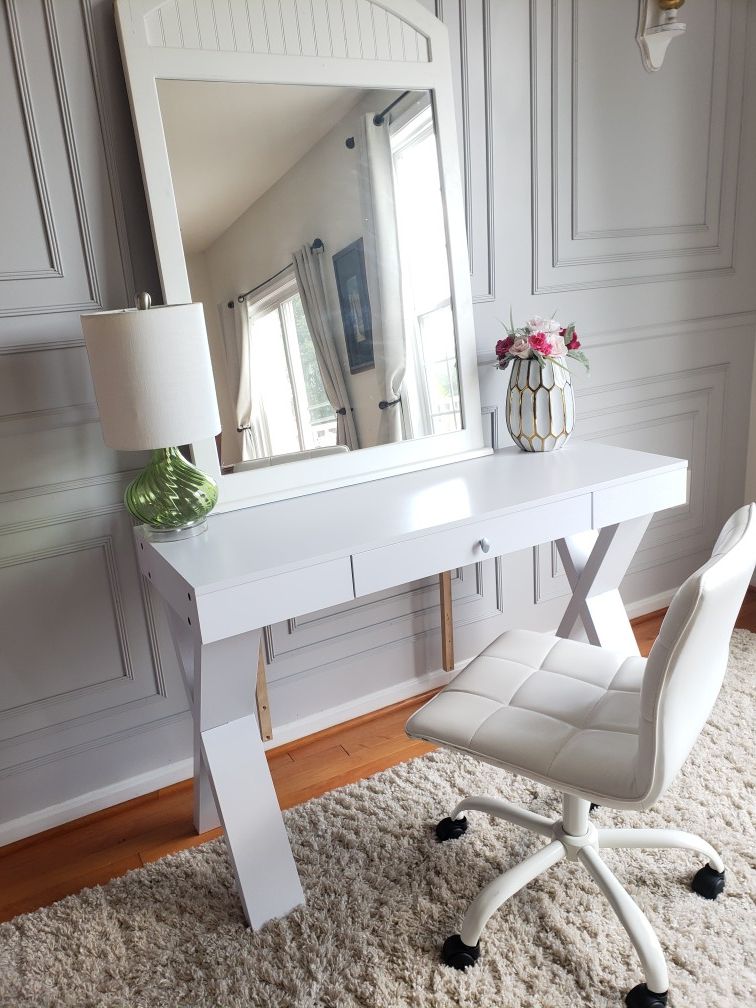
540, 409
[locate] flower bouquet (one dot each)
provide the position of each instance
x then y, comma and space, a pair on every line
542, 339
540, 411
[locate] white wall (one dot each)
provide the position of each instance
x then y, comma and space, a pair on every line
607, 194
202, 290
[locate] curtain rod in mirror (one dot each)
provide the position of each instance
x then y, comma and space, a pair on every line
379, 118
317, 246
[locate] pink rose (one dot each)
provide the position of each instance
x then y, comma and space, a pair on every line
574, 343
520, 347
503, 346
539, 342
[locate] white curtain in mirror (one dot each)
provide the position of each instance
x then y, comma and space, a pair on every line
250, 440
308, 271
384, 264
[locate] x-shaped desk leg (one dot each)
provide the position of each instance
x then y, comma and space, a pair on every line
595, 564
232, 782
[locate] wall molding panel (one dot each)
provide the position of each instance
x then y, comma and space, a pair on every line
91, 696
469, 25
104, 546
48, 419
53, 267
567, 253
51, 43
61, 89
106, 129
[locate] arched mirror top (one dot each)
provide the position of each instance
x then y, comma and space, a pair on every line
330, 29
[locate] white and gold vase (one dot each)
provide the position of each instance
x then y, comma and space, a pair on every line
540, 409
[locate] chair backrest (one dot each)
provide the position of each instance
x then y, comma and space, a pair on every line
687, 663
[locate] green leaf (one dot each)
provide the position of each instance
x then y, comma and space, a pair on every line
579, 356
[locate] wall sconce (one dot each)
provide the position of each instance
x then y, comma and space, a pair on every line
657, 26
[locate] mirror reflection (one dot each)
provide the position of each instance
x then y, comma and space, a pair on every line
313, 227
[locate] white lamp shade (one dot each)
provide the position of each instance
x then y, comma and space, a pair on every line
152, 376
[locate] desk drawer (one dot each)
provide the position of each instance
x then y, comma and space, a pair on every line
446, 549
258, 603
640, 497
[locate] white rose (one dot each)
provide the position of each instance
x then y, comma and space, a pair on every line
520, 347
548, 326
560, 347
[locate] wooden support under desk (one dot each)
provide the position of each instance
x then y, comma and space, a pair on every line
447, 622
261, 696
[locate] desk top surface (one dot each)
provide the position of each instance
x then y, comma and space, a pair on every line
270, 538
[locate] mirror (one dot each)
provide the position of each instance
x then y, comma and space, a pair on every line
314, 232
356, 277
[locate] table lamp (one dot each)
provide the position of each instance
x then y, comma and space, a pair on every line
154, 386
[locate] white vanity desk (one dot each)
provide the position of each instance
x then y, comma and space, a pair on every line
264, 564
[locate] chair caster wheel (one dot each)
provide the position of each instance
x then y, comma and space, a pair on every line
451, 829
455, 953
642, 997
708, 883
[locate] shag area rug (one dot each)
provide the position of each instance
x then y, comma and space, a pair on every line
382, 896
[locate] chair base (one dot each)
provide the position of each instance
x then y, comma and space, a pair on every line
451, 829
576, 838
706, 882
642, 997
455, 953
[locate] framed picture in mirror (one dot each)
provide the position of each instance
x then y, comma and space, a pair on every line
354, 301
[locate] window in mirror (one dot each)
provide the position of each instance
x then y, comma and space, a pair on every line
431, 383
273, 183
290, 409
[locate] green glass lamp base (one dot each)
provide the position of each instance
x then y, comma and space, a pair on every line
171, 496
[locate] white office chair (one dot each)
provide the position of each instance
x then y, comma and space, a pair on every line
602, 728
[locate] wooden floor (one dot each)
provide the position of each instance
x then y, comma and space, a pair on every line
92, 850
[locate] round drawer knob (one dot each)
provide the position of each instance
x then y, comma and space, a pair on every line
484, 544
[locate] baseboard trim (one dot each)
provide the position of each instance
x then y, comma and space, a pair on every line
648, 605
94, 801
136, 787
292, 731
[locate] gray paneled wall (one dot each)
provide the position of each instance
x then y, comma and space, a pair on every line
620, 199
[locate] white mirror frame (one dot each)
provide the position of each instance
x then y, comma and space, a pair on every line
407, 49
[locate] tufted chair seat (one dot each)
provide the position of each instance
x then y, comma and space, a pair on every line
558, 711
